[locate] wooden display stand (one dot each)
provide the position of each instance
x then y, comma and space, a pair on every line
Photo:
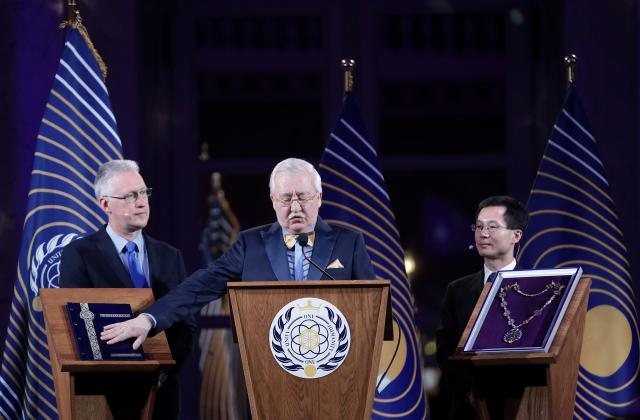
101, 389
347, 392
529, 385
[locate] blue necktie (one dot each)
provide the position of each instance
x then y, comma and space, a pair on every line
138, 278
492, 277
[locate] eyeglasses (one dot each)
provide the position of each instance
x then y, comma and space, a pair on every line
133, 196
302, 198
491, 227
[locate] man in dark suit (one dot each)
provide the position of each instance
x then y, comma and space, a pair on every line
268, 252
121, 255
500, 221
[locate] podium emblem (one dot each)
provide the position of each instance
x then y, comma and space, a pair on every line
310, 338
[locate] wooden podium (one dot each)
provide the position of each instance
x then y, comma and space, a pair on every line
347, 392
531, 385
101, 389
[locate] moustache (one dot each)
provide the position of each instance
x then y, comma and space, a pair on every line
295, 215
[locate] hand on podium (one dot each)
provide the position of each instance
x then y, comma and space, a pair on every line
137, 328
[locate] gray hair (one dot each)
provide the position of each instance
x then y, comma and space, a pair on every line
106, 172
296, 165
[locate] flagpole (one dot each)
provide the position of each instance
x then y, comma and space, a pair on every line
572, 63
347, 65
204, 151
216, 187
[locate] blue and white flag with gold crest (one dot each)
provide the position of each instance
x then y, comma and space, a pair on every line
354, 196
77, 134
574, 223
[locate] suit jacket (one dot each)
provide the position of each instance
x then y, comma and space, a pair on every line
93, 262
260, 254
459, 300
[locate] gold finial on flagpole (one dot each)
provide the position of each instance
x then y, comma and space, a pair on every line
347, 65
73, 16
72, 11
204, 152
572, 63
74, 20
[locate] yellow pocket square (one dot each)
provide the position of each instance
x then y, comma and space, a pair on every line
336, 264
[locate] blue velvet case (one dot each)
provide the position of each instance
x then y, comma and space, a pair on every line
87, 321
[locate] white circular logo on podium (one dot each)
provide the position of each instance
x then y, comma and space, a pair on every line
310, 338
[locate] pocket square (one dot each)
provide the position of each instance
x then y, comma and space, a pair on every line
335, 264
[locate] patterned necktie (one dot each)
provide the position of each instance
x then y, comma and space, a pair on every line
137, 276
297, 265
290, 239
298, 268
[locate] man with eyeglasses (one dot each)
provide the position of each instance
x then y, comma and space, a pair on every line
269, 252
120, 254
500, 222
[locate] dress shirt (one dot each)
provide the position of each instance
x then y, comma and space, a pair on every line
508, 267
141, 256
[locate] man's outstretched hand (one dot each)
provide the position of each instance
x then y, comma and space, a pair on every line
137, 328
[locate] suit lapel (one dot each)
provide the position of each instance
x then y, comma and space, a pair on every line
322, 248
478, 284
154, 263
276, 252
110, 256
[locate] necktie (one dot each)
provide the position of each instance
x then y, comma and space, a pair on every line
492, 277
296, 262
137, 276
298, 268
290, 239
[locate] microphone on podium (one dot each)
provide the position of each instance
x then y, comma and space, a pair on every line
303, 239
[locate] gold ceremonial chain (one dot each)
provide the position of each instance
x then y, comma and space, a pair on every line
515, 333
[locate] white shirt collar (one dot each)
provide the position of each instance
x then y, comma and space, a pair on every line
508, 267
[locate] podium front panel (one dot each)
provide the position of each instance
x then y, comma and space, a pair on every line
347, 392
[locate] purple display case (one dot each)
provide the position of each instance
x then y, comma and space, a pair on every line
523, 293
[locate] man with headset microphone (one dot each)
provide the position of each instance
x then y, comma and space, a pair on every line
499, 224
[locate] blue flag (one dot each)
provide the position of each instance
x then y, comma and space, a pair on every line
220, 365
77, 134
574, 223
354, 196
221, 230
